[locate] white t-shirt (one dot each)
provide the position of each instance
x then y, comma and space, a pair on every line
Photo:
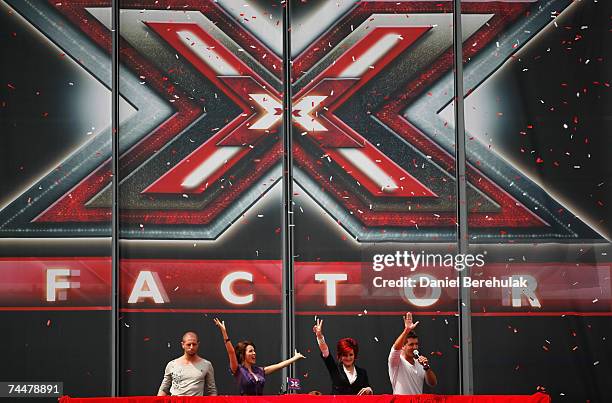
193, 379
406, 379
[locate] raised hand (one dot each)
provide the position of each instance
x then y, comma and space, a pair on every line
318, 328
297, 355
408, 322
231, 353
221, 325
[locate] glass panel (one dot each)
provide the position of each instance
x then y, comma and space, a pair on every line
55, 266
537, 114
375, 188
200, 185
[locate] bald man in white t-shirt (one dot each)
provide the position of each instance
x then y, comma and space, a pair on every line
405, 372
190, 374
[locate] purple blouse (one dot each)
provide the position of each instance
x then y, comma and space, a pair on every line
249, 385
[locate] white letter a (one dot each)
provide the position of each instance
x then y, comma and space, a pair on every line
148, 286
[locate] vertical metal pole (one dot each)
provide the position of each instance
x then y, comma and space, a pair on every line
466, 380
288, 308
115, 267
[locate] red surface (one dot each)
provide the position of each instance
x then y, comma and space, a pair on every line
537, 398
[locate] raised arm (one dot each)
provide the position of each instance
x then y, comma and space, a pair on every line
318, 331
231, 353
271, 368
408, 327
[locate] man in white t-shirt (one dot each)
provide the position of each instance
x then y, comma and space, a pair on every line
405, 372
190, 374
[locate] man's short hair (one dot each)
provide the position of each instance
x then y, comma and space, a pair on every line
411, 335
190, 333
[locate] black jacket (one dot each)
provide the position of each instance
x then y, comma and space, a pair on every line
340, 382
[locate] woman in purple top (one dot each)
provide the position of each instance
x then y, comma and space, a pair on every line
242, 358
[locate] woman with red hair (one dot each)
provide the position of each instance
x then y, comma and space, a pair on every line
346, 377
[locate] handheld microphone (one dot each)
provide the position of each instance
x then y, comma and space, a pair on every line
416, 355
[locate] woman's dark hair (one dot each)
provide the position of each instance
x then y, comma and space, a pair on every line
240, 348
345, 345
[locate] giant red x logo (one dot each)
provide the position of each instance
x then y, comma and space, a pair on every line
207, 161
313, 111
